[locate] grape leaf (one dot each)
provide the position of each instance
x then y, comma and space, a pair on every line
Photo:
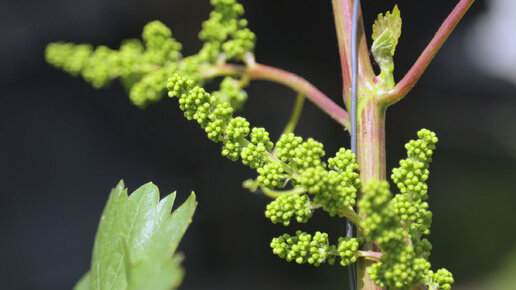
136, 240
84, 282
387, 31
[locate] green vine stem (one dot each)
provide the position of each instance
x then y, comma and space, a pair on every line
370, 255
277, 193
296, 113
353, 217
264, 72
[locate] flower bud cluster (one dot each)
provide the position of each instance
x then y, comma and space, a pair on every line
400, 266
347, 249
410, 204
442, 279
292, 159
315, 250
413, 172
396, 224
283, 208
231, 92
143, 67
225, 31
304, 248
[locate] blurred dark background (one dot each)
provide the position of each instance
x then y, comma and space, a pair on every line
64, 145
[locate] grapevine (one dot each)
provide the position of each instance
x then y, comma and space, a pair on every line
391, 249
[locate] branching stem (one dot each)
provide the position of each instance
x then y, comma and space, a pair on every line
277, 193
264, 72
352, 216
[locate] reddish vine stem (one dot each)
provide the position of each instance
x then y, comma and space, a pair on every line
371, 160
415, 72
264, 72
342, 11
370, 123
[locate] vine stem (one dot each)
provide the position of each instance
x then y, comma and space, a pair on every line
343, 12
370, 255
371, 160
371, 116
353, 217
294, 117
264, 72
415, 72
277, 193
372, 107
296, 113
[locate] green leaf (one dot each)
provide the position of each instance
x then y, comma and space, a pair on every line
136, 240
84, 282
386, 32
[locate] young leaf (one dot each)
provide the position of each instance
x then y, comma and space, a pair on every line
386, 32
136, 240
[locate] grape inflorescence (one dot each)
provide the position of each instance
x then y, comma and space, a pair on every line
314, 249
396, 223
143, 66
291, 159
